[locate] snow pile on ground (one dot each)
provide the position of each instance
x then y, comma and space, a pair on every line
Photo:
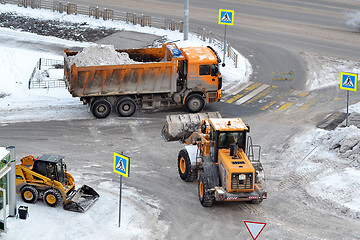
139, 218
325, 71
330, 173
354, 20
100, 55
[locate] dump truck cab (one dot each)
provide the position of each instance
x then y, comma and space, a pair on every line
202, 73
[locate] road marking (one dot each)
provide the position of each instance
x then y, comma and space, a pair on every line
285, 106
303, 94
262, 94
252, 94
248, 87
309, 104
273, 102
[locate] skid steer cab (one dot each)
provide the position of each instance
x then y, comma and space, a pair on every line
220, 155
46, 178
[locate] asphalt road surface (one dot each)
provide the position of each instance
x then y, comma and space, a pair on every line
270, 34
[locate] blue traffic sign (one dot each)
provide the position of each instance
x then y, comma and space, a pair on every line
121, 164
348, 81
226, 17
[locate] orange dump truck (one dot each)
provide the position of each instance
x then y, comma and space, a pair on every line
161, 77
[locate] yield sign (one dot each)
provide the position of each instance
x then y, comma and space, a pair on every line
254, 228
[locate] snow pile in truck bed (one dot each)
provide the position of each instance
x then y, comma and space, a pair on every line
100, 55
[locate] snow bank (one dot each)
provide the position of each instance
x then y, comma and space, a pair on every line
354, 20
331, 172
100, 55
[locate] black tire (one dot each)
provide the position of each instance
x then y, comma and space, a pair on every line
194, 103
186, 172
52, 197
206, 197
101, 108
29, 194
125, 107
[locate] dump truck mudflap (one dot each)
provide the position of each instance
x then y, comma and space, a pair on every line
181, 126
81, 199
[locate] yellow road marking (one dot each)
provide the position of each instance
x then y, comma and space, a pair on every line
263, 94
273, 102
303, 94
248, 89
285, 106
309, 104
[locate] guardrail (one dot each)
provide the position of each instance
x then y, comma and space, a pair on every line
40, 75
133, 18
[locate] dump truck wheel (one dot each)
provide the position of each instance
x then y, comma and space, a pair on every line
194, 103
29, 194
205, 196
101, 108
52, 197
186, 172
256, 201
126, 107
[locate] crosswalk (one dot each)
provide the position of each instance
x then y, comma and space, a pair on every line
267, 98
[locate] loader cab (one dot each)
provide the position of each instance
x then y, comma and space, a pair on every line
51, 166
225, 134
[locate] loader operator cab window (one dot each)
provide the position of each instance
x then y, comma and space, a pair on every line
60, 172
227, 138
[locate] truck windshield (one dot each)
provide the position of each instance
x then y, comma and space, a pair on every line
226, 138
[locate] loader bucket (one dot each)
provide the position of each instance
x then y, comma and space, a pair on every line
181, 126
81, 199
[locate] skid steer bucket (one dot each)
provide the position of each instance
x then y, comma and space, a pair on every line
181, 126
81, 199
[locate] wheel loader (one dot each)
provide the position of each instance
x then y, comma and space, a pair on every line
46, 178
220, 155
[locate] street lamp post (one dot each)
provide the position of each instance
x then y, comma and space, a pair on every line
186, 20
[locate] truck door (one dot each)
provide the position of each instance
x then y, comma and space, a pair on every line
203, 76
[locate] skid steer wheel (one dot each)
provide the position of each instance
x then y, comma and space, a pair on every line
29, 194
206, 197
194, 103
186, 173
125, 107
101, 108
52, 197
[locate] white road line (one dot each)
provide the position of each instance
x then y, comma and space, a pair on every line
243, 86
252, 94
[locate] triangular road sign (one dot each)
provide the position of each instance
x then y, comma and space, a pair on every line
254, 228
226, 18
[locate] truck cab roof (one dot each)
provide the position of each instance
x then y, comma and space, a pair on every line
199, 55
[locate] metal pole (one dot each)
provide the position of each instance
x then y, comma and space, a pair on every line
120, 201
186, 20
12, 182
224, 47
347, 109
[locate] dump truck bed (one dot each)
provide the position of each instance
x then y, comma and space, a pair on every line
155, 71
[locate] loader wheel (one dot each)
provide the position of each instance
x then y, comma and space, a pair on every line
256, 201
206, 197
186, 172
194, 103
125, 107
101, 108
29, 194
52, 197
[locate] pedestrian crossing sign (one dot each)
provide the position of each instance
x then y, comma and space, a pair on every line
226, 17
348, 81
121, 164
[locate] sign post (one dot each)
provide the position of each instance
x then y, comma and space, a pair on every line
226, 17
122, 167
348, 81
